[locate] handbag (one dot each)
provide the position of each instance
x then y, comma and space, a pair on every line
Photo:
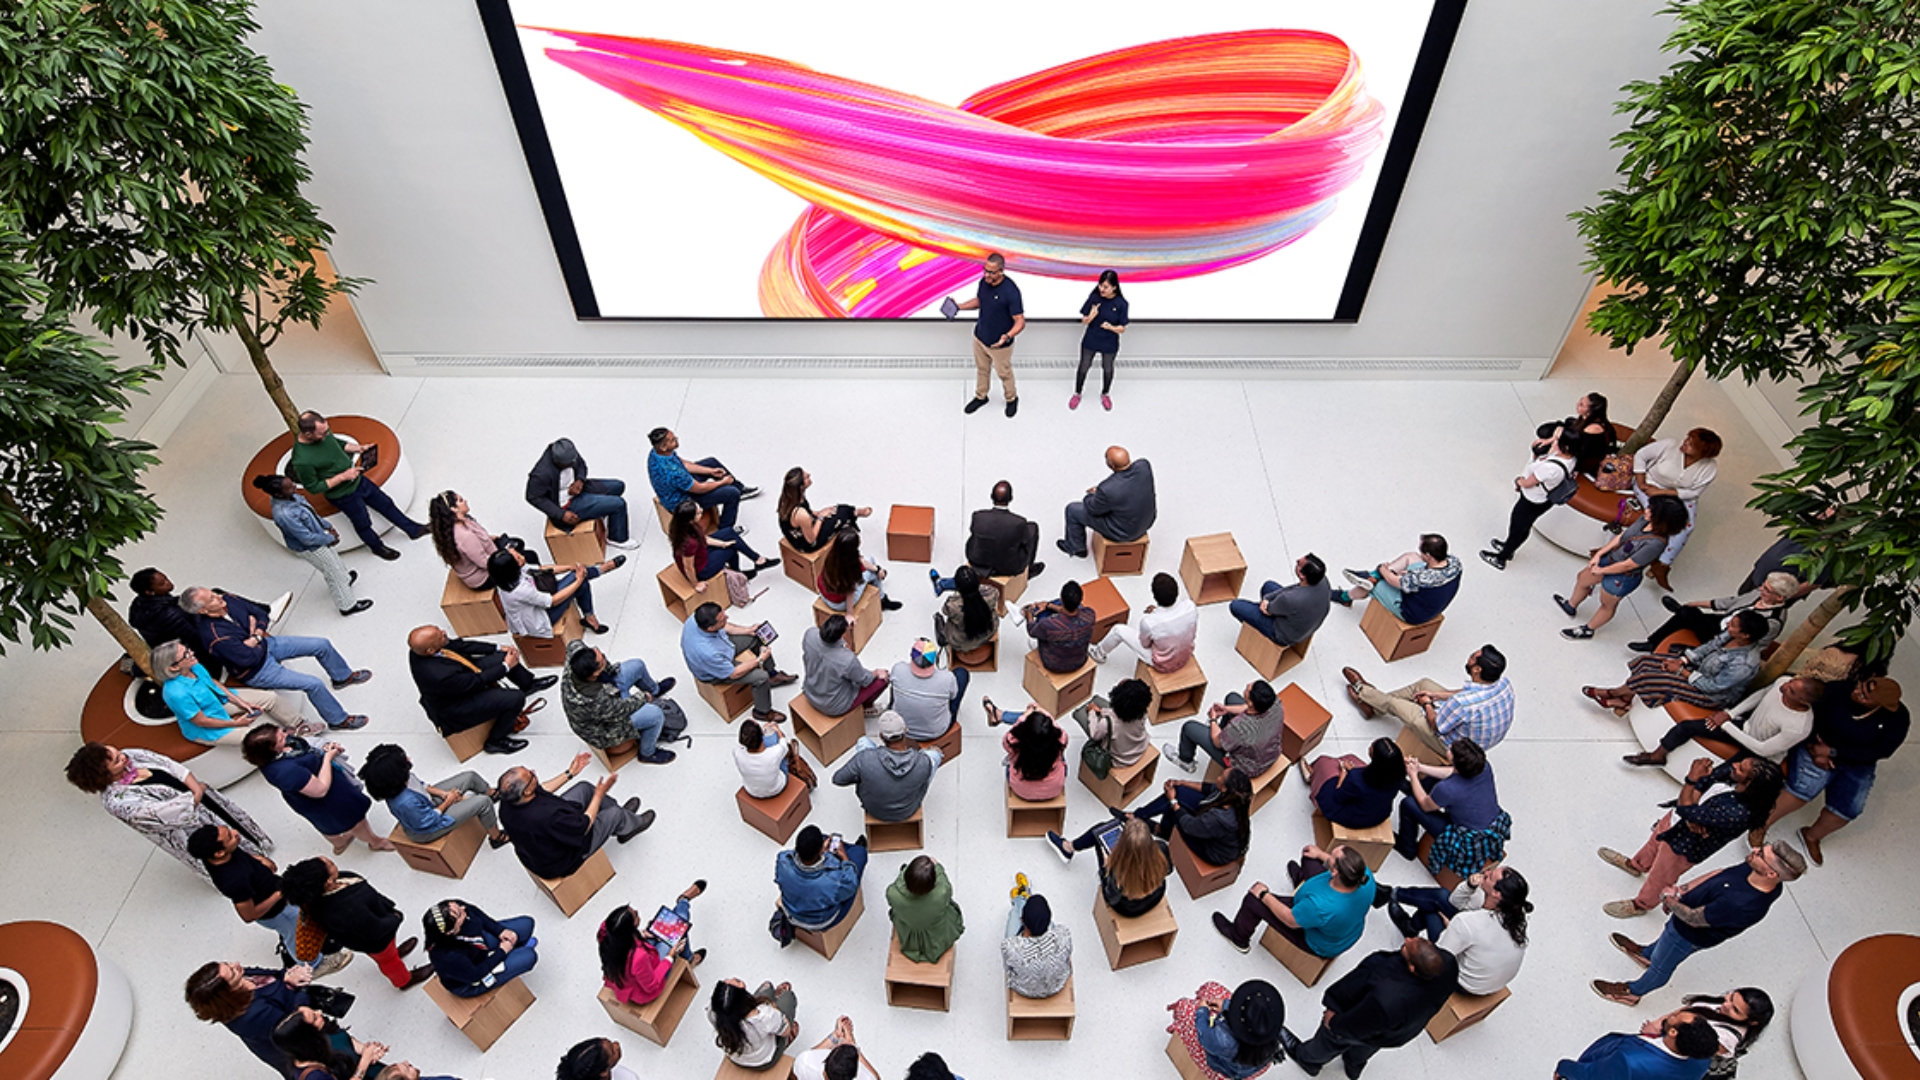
1615, 473
1097, 755
781, 927
739, 592
309, 938
800, 770
673, 723
330, 1000
544, 579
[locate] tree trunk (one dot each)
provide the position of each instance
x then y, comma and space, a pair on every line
1657, 412
1796, 643
127, 636
269, 378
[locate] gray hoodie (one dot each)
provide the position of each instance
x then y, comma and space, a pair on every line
891, 783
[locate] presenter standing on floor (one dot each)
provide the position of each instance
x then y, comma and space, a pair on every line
1001, 320
1105, 316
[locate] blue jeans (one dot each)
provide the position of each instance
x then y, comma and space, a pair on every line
286, 924
726, 496
584, 594
628, 674
368, 494
867, 577
601, 499
1015, 914
648, 718
272, 676
961, 676
768, 742
1428, 905
1415, 819
1665, 955
1248, 611
516, 963
1846, 785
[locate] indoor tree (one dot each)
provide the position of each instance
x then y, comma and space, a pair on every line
155, 166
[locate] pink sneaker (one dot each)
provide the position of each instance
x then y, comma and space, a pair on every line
1073, 402
1106, 402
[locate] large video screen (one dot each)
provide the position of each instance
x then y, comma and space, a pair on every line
1230, 160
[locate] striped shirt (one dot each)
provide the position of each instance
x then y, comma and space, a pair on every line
1038, 967
1479, 711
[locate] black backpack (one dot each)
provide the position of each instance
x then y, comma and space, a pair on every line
1563, 492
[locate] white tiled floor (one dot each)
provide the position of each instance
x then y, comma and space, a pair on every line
1352, 471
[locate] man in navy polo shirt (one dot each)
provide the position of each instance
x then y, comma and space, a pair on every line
1001, 320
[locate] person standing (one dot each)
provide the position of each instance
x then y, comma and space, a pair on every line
1856, 725
312, 539
252, 882
1383, 1003
1002, 318
356, 915
159, 799
1105, 317
329, 467
315, 784
1697, 826
1681, 469
1679, 1046
1544, 478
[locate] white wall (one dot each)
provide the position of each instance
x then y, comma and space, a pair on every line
417, 165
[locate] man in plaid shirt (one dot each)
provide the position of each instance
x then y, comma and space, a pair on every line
1481, 710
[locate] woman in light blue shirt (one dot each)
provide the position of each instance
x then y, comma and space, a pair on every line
210, 713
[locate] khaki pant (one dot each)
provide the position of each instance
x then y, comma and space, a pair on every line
1001, 361
1400, 704
281, 710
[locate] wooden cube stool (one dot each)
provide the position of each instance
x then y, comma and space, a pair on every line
1374, 845
680, 597
1182, 1061
482, 1018
1116, 558
865, 617
905, 835
551, 652
1011, 589
708, 517
1462, 1011
1413, 746
1198, 875
471, 612
779, 815
1305, 966
1108, 606
572, 892
1307, 722
585, 543
447, 855
1049, 1018
1446, 879
1054, 692
949, 744
984, 658
1176, 694
1268, 657
656, 1020
1027, 817
826, 737
827, 942
779, 1070
618, 757
913, 985
803, 567
1212, 568
1138, 940
1394, 639
1265, 786
1124, 783
727, 699
468, 742
910, 534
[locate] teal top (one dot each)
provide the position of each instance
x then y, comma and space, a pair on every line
1332, 920
192, 695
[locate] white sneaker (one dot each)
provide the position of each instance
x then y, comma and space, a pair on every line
1356, 579
1094, 653
1171, 751
624, 545
332, 962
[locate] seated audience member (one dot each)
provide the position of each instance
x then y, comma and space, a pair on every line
753, 1029
1243, 731
1120, 720
1588, 430
158, 798
1133, 880
312, 539
594, 1059
1231, 1036
252, 883
845, 575
1333, 890
930, 1066
473, 952
321, 1049
355, 915
706, 482
533, 611
921, 908
558, 487
926, 695
210, 713
1461, 812
1036, 950
234, 629
718, 651
700, 556
834, 681
461, 541
459, 684
1415, 588
330, 467
1771, 721
1061, 629
427, 812
250, 1002
1482, 922
1697, 827
1677, 1046
1551, 472
1001, 543
1856, 725
315, 784
1036, 749
1679, 469
819, 878
970, 617
1708, 618
835, 1057
1164, 638
1737, 1019
1289, 614
1712, 676
1785, 550
156, 613
890, 777
554, 834
1357, 794
1120, 508
634, 963
805, 529
1481, 710
766, 757
1383, 1003
609, 705
1214, 819
1617, 566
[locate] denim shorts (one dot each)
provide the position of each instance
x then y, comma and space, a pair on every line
1846, 785
1621, 584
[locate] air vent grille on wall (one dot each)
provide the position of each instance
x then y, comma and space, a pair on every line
926, 363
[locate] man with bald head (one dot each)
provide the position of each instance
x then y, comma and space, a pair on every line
1383, 1003
459, 683
1001, 543
1120, 508
554, 834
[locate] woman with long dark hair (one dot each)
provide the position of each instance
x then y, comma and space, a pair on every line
753, 1029
1482, 922
461, 542
1697, 827
1215, 820
1353, 793
355, 914
967, 618
1588, 430
473, 952
845, 575
1738, 1018
1105, 315
634, 964
321, 1050
534, 612
805, 529
1617, 567
1036, 752
701, 555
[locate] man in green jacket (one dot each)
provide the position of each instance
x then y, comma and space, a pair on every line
925, 918
329, 466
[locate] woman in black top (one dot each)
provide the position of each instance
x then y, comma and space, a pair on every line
806, 531
1105, 316
1591, 431
355, 914
1214, 819
1356, 795
473, 952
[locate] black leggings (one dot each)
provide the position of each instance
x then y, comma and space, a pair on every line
1086, 363
1520, 524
